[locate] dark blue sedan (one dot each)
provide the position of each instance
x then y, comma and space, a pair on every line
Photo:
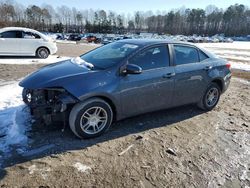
124, 79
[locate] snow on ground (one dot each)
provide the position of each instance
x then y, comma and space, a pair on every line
81, 167
30, 60
90, 44
235, 57
240, 66
237, 53
65, 41
232, 52
235, 45
14, 118
77, 42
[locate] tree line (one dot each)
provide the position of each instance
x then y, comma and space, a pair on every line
233, 21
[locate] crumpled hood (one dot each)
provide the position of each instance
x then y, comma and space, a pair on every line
54, 75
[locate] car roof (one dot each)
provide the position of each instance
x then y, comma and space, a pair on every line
22, 29
17, 28
148, 42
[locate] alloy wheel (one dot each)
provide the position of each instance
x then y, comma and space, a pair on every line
93, 120
212, 97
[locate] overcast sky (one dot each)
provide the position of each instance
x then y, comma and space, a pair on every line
125, 6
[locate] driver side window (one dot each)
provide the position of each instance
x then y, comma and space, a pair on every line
152, 58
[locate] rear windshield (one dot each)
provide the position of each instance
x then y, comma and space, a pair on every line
109, 55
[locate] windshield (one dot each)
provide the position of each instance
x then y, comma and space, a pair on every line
109, 55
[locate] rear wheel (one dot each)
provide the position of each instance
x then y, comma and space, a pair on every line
90, 118
42, 53
211, 97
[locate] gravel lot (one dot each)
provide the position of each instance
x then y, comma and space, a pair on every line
181, 147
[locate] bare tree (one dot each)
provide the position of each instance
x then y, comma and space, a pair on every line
235, 20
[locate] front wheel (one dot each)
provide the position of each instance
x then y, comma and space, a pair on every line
90, 118
210, 98
26, 94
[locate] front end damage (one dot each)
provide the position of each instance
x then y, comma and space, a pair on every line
49, 104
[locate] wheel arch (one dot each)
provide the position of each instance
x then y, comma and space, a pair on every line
219, 82
107, 100
112, 105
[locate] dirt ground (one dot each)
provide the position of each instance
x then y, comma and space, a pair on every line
14, 72
181, 147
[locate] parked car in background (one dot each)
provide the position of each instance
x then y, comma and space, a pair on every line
119, 79
107, 40
74, 37
18, 41
91, 39
60, 36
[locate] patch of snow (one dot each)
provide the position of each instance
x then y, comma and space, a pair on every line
42, 171
81, 167
240, 66
235, 58
32, 169
234, 45
83, 43
90, 44
14, 118
65, 41
243, 158
230, 52
244, 175
237, 53
27, 61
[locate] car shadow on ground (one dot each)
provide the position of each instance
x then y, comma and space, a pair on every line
19, 57
47, 141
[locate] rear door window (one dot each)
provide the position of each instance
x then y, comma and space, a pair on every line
185, 55
202, 55
30, 35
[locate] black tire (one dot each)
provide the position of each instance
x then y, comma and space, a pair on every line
205, 103
42, 53
26, 94
77, 114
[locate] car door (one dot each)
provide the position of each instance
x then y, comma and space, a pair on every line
29, 43
153, 88
9, 42
191, 77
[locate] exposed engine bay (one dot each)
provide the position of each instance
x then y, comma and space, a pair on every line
49, 104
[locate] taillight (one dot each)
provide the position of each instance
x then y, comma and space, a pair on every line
228, 65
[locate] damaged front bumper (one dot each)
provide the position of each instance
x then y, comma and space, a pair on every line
49, 104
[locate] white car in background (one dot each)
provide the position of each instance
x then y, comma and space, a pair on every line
18, 41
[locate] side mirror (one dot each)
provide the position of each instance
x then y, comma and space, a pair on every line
132, 69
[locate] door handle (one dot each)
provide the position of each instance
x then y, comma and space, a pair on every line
169, 75
208, 68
